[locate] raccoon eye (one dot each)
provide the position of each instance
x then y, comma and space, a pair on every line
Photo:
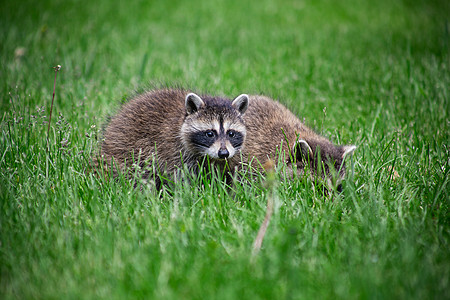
231, 134
210, 133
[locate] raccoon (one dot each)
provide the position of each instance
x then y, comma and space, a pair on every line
166, 129
273, 130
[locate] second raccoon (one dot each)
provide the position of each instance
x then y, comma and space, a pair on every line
273, 130
166, 129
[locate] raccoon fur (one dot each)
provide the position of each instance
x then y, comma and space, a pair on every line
273, 130
167, 129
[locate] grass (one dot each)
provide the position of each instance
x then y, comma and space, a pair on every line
374, 74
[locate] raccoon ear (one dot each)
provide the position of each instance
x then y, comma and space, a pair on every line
193, 103
348, 150
302, 150
241, 103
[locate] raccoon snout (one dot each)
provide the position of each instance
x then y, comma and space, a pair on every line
223, 153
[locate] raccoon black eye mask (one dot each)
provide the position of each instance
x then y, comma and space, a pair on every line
206, 140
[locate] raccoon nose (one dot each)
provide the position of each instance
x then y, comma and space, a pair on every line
223, 153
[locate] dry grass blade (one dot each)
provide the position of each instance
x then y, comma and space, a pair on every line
270, 182
57, 68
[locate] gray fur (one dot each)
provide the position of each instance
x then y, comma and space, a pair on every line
271, 127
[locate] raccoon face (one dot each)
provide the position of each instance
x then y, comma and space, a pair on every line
324, 159
214, 127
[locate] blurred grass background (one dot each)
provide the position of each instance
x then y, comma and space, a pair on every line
370, 73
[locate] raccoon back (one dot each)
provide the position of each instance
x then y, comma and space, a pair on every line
148, 124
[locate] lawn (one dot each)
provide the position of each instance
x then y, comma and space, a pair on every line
370, 73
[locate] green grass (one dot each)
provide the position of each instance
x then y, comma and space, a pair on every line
370, 73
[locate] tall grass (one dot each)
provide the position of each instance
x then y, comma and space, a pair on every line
374, 74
